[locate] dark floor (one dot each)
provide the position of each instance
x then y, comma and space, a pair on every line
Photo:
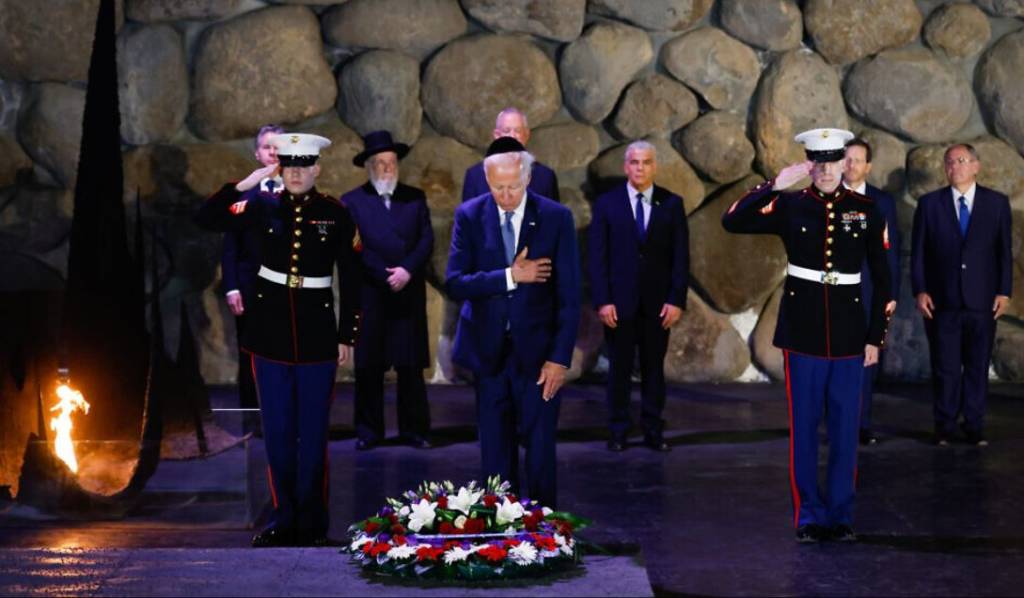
711, 517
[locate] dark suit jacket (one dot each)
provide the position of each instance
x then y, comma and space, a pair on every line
632, 274
394, 325
958, 272
240, 257
541, 318
887, 206
543, 182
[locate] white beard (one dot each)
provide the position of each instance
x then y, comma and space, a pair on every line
385, 186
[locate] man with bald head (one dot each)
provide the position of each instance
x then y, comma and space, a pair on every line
511, 122
514, 264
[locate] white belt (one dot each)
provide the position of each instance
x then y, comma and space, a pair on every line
295, 281
832, 277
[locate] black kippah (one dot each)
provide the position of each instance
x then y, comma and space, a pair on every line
504, 145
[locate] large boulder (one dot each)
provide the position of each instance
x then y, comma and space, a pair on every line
1002, 8
577, 203
565, 146
589, 340
911, 93
888, 160
704, 347
721, 69
656, 15
472, 79
767, 24
48, 40
654, 105
799, 91
230, 87
152, 79
15, 160
35, 220
149, 11
596, 67
717, 146
844, 32
673, 172
735, 272
766, 356
50, 129
338, 175
1016, 308
906, 345
1008, 351
1002, 168
559, 21
1000, 87
416, 27
178, 177
380, 89
957, 30
438, 165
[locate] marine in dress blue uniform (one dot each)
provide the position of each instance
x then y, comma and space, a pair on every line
514, 264
397, 241
828, 232
295, 340
855, 169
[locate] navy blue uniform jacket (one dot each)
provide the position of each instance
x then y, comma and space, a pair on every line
302, 235
887, 206
625, 271
543, 182
833, 232
542, 318
393, 330
962, 273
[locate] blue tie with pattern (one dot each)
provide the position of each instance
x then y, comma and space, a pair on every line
508, 235
270, 186
965, 217
641, 228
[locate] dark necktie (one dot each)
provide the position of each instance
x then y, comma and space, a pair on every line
641, 228
965, 217
387, 200
270, 186
508, 235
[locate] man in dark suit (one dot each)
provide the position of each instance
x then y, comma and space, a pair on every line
394, 226
961, 273
514, 263
511, 123
639, 273
240, 259
856, 167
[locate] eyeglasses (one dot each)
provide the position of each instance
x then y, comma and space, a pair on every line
960, 160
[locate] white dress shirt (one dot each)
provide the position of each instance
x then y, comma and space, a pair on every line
968, 199
517, 225
862, 188
648, 198
278, 184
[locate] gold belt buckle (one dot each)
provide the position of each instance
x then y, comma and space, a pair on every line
294, 281
831, 278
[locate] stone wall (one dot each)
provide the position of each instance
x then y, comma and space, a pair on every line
720, 87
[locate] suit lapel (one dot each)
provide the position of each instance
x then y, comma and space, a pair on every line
624, 207
493, 243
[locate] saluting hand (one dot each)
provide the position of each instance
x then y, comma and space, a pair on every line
552, 376
530, 271
254, 179
792, 174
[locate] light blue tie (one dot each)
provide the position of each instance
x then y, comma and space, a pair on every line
965, 217
387, 201
508, 235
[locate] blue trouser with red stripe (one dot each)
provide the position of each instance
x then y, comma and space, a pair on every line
295, 400
814, 385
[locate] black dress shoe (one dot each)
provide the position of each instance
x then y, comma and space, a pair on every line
941, 439
810, 533
976, 438
657, 443
868, 438
616, 445
842, 533
363, 444
273, 537
417, 442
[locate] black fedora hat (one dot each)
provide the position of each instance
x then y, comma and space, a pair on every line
377, 142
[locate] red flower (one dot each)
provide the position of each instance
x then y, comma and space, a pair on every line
492, 553
512, 498
393, 518
452, 544
531, 521
474, 526
490, 500
399, 540
510, 543
544, 542
442, 502
379, 548
371, 526
446, 528
428, 553
562, 527
398, 528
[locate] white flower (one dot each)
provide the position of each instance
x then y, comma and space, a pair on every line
546, 511
422, 515
402, 552
460, 522
523, 553
404, 511
464, 500
455, 555
565, 546
508, 512
359, 542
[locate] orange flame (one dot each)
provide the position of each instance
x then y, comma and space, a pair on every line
70, 401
